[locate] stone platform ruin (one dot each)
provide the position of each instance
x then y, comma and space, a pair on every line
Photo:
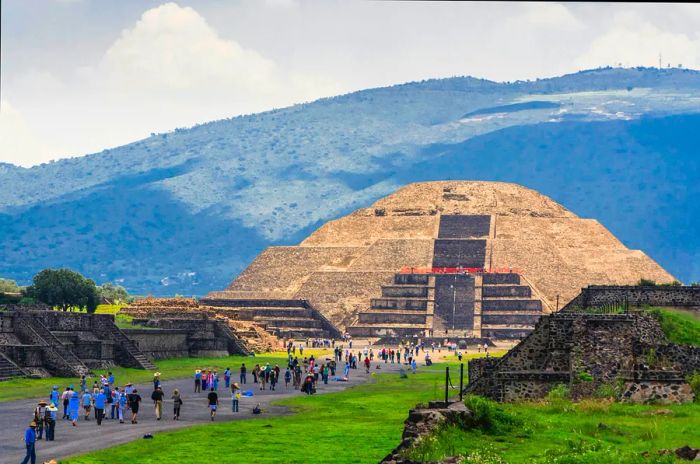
601, 337
353, 271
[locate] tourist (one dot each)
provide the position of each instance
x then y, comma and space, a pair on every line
177, 404
100, 402
114, 403
50, 421
87, 404
83, 383
486, 347
324, 374
243, 373
157, 397
414, 366
428, 361
121, 401
273, 379
346, 371
53, 396
129, 388
108, 395
459, 355
227, 377
134, 403
256, 373
205, 380
66, 398
197, 381
287, 377
30, 443
74, 407
235, 396
110, 378
367, 363
156, 380
39, 413
213, 399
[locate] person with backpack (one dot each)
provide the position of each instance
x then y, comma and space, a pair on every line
213, 402
50, 421
134, 403
66, 398
121, 401
39, 417
287, 377
177, 404
87, 404
227, 377
53, 397
157, 397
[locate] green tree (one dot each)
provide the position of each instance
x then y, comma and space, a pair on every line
8, 286
64, 289
114, 293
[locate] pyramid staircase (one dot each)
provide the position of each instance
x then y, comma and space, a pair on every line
56, 355
129, 353
508, 310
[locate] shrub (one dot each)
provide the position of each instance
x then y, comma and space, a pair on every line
488, 415
606, 390
694, 382
646, 283
560, 392
585, 377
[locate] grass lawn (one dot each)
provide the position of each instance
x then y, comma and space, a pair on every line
364, 423
592, 431
682, 327
169, 369
361, 424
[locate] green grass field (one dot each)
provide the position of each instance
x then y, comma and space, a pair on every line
169, 369
680, 326
364, 423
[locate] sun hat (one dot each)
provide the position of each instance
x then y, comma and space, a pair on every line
32, 424
44, 402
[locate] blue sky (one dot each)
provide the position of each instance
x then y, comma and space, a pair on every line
79, 76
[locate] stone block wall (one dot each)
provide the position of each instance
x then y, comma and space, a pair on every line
161, 344
605, 295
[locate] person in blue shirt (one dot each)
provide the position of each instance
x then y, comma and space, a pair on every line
87, 404
100, 402
52, 413
197, 381
74, 408
30, 442
110, 378
122, 405
227, 377
54, 395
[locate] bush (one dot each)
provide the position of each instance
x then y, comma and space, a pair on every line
488, 415
560, 392
646, 283
606, 390
585, 377
694, 382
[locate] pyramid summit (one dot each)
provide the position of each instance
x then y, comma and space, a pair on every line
483, 257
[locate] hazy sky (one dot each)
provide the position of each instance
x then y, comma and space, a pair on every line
79, 76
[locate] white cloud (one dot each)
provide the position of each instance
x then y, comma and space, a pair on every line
634, 41
18, 143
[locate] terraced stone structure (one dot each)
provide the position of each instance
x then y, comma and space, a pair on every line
67, 344
584, 347
350, 269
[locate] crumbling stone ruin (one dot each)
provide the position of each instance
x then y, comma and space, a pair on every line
583, 346
511, 254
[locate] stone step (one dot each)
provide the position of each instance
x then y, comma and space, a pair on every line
408, 279
289, 322
399, 303
389, 317
503, 305
499, 291
404, 291
383, 330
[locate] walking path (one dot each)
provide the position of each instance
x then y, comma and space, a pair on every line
87, 436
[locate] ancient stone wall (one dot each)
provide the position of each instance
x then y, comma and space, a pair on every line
658, 295
162, 344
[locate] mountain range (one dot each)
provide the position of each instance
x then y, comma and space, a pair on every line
183, 212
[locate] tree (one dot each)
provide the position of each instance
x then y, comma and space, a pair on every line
8, 286
64, 289
114, 293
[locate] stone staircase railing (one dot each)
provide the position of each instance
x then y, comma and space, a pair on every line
235, 345
327, 325
8, 369
130, 352
59, 358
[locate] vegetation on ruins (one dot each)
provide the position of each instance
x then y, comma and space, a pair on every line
681, 327
64, 289
8, 286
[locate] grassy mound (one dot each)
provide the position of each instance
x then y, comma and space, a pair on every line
682, 327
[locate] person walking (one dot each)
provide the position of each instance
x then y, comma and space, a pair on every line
39, 418
177, 404
74, 408
156, 380
243, 374
197, 381
54, 396
287, 378
157, 397
66, 398
30, 443
134, 403
51, 416
121, 405
235, 396
100, 402
87, 404
227, 378
367, 363
213, 401
114, 403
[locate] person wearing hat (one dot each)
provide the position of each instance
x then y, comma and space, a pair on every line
30, 443
177, 404
235, 396
74, 408
197, 381
50, 421
39, 413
